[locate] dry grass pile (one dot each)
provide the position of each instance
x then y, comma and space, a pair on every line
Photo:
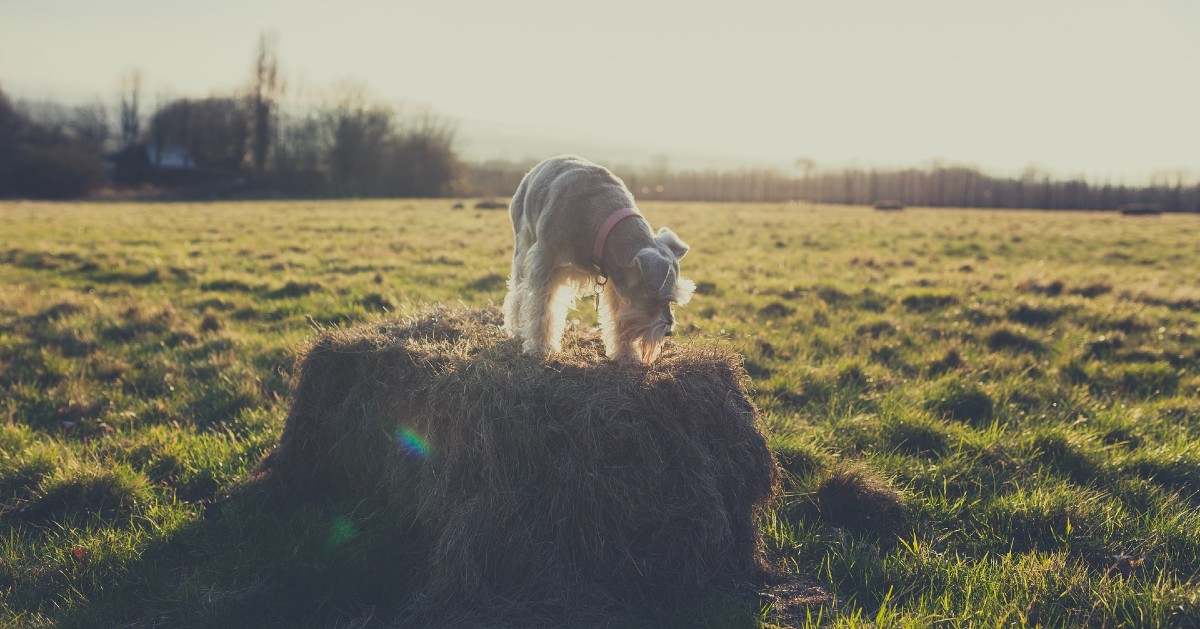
544, 483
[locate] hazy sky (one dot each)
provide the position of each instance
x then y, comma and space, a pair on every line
1098, 86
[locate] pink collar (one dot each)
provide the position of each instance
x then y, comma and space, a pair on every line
602, 236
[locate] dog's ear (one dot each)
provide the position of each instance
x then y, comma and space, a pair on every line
667, 237
654, 267
683, 291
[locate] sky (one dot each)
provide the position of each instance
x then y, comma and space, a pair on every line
1103, 88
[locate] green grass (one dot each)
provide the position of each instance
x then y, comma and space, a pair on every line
985, 417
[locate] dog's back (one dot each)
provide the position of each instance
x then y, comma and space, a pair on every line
564, 200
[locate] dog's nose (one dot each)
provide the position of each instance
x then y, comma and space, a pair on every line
668, 332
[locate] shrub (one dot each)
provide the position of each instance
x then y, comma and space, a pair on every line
56, 171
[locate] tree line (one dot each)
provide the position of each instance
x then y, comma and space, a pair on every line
935, 185
259, 139
268, 138
57, 154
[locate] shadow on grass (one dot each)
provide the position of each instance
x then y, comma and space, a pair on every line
268, 557
265, 559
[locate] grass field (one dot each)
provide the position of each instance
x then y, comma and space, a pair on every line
986, 418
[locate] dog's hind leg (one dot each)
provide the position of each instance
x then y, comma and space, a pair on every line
512, 301
542, 318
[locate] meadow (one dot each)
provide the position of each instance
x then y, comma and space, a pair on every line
984, 417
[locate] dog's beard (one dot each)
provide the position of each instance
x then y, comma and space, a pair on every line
642, 332
650, 344
637, 329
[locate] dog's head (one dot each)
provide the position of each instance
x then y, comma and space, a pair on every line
651, 287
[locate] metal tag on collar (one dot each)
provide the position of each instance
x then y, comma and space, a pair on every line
601, 282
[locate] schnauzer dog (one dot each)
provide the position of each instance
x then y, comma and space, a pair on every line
577, 230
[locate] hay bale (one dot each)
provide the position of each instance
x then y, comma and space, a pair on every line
557, 483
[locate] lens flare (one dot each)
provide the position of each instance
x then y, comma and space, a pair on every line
412, 443
341, 531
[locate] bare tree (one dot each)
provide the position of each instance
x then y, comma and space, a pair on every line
805, 165
157, 130
49, 117
86, 124
89, 123
267, 89
358, 130
131, 92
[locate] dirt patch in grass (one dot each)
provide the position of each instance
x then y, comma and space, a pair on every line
877, 328
776, 310
757, 369
1147, 379
1187, 304
376, 302
1030, 314
914, 436
136, 278
55, 312
800, 457
88, 490
857, 497
1105, 346
211, 323
927, 301
1093, 290
1062, 451
1005, 338
963, 401
488, 283
831, 295
229, 286
1174, 471
947, 362
294, 289
1050, 288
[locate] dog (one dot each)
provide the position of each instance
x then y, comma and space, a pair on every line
576, 230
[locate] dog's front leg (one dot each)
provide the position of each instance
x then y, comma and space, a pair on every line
618, 341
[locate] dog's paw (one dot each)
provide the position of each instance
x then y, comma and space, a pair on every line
534, 350
626, 358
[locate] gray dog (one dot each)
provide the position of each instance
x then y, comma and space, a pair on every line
576, 227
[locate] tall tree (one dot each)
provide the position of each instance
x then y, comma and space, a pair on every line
267, 89
131, 93
805, 165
